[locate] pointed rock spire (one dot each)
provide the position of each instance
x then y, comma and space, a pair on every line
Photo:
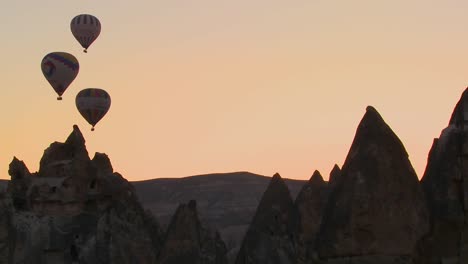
458, 112
377, 200
63, 159
316, 178
18, 170
334, 175
445, 182
103, 164
271, 234
310, 203
76, 138
19, 184
188, 242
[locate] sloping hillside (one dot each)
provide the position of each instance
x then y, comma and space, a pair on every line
226, 201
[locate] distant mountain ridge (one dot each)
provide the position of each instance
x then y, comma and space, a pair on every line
227, 192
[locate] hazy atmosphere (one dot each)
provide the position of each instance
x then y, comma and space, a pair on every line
218, 86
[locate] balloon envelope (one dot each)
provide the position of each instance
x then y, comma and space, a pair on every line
93, 104
85, 28
60, 69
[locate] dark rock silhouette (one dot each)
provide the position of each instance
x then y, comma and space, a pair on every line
310, 204
6, 231
225, 201
377, 211
188, 242
74, 210
102, 162
445, 183
19, 183
372, 211
270, 238
334, 175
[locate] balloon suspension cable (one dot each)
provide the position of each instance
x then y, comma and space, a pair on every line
85, 50
92, 129
59, 98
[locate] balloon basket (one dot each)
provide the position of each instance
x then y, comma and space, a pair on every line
59, 98
92, 129
85, 50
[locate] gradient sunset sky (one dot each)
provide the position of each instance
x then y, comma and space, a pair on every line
247, 85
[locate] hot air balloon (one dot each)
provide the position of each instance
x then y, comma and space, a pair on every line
85, 28
93, 104
60, 69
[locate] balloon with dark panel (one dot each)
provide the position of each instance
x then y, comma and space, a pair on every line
93, 104
60, 69
86, 29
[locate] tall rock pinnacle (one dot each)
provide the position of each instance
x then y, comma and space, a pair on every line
310, 203
445, 183
188, 242
377, 206
270, 238
334, 175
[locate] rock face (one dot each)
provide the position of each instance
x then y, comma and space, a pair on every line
377, 211
270, 238
19, 183
225, 201
445, 183
74, 210
310, 204
188, 242
6, 231
334, 175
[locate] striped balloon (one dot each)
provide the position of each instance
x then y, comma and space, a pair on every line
85, 28
60, 69
93, 104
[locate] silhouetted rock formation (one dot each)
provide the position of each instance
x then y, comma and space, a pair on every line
310, 204
445, 182
334, 175
225, 201
74, 210
6, 232
270, 238
377, 211
188, 242
19, 183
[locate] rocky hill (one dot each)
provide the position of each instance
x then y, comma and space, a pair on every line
271, 235
225, 201
78, 210
189, 241
377, 212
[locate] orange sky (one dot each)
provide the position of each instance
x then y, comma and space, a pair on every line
218, 86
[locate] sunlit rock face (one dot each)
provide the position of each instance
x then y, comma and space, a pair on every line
445, 183
74, 210
187, 241
271, 237
377, 211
